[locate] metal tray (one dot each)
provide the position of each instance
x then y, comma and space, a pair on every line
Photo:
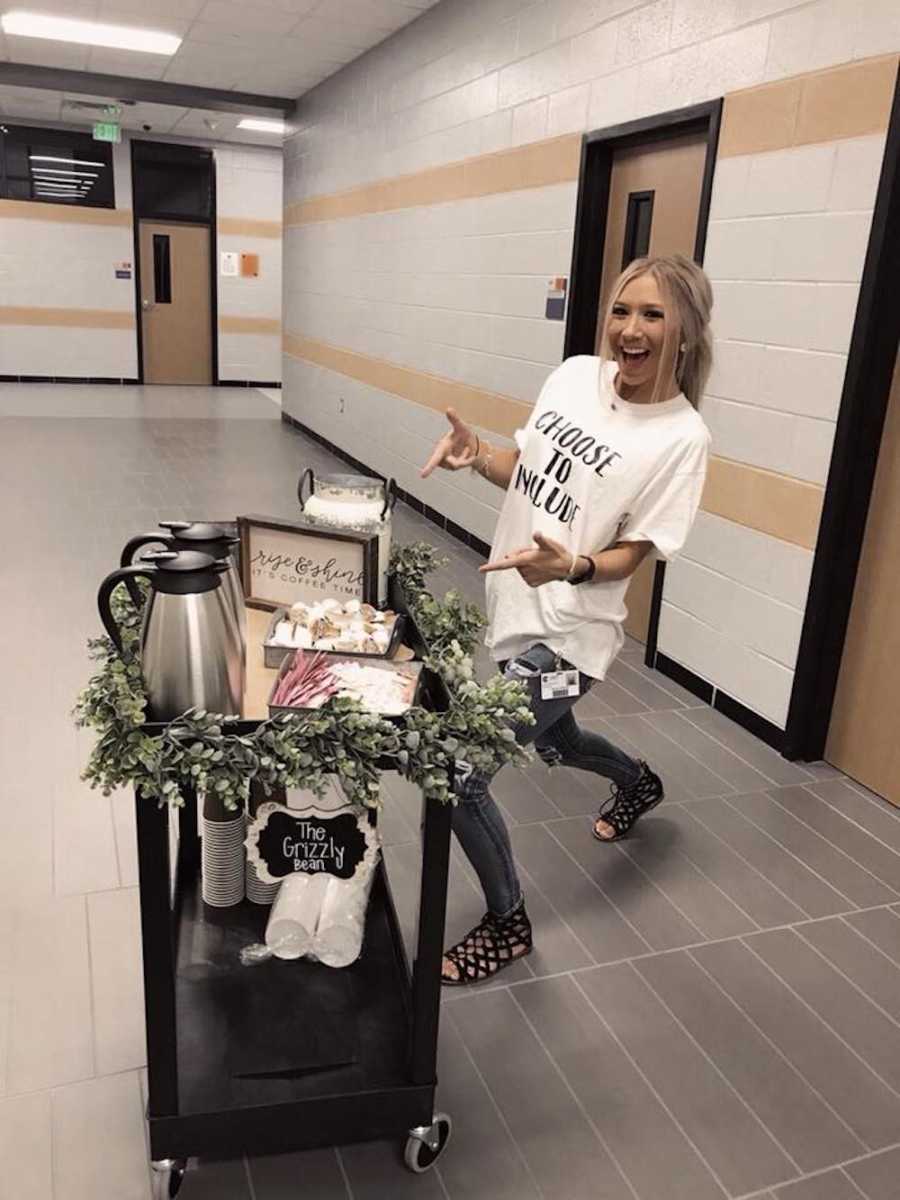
275, 654
337, 656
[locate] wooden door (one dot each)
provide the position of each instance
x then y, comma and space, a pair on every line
862, 739
175, 303
654, 207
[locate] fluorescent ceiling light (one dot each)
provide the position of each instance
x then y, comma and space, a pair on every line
72, 162
261, 125
65, 174
88, 33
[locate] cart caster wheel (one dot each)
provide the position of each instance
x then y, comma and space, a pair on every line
166, 1176
427, 1143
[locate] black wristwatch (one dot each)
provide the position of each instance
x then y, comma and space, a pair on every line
589, 573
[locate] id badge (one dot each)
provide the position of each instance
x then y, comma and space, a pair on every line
559, 685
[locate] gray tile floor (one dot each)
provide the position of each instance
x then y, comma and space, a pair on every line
711, 1009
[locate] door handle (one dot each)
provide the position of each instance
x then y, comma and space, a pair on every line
146, 305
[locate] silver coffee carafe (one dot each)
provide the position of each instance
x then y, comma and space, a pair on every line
204, 538
191, 653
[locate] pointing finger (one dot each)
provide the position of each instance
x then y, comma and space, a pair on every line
510, 561
437, 456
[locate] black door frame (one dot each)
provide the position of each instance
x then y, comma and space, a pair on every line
851, 475
597, 150
138, 215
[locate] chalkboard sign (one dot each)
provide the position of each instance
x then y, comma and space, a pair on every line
283, 841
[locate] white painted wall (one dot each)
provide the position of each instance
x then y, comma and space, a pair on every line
249, 185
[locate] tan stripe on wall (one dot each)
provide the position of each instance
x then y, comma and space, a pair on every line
786, 508
31, 210
779, 505
241, 227
539, 164
270, 325
73, 318
490, 410
842, 102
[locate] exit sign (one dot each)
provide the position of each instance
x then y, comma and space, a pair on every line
107, 131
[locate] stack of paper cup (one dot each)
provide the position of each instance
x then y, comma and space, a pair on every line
295, 913
223, 861
258, 891
342, 921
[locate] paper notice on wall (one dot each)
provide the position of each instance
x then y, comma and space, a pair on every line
556, 298
229, 263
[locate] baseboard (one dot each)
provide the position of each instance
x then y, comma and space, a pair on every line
687, 679
425, 510
249, 383
104, 379
759, 726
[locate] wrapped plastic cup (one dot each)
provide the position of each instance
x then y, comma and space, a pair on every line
342, 921
295, 913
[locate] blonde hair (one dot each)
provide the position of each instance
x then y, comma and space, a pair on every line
687, 295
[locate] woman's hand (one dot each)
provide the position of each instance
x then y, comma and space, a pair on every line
455, 450
540, 564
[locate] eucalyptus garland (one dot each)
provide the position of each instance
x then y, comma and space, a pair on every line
200, 751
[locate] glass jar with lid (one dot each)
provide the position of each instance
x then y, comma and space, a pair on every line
357, 502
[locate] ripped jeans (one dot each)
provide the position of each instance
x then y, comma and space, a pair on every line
477, 821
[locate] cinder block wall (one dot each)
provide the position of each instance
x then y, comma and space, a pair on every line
249, 204
430, 194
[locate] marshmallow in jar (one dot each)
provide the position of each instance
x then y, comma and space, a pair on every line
353, 502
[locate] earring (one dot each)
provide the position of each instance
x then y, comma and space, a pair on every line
682, 347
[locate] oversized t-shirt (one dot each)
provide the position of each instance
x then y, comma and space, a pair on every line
593, 470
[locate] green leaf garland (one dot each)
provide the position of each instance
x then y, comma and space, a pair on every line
197, 752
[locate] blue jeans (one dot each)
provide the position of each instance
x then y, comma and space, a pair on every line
477, 821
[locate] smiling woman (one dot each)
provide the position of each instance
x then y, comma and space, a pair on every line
608, 469
657, 330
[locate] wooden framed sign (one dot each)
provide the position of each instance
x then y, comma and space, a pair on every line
312, 841
286, 561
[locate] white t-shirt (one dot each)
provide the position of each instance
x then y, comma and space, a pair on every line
593, 470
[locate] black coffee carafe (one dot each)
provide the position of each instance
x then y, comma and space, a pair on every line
202, 538
191, 653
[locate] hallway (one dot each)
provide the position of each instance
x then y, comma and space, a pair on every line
711, 1010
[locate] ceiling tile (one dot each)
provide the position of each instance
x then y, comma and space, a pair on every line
248, 16
38, 52
137, 66
147, 18
151, 12
269, 47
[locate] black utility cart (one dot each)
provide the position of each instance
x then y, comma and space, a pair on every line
285, 1055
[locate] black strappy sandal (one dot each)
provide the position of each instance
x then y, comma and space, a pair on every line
626, 804
494, 943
